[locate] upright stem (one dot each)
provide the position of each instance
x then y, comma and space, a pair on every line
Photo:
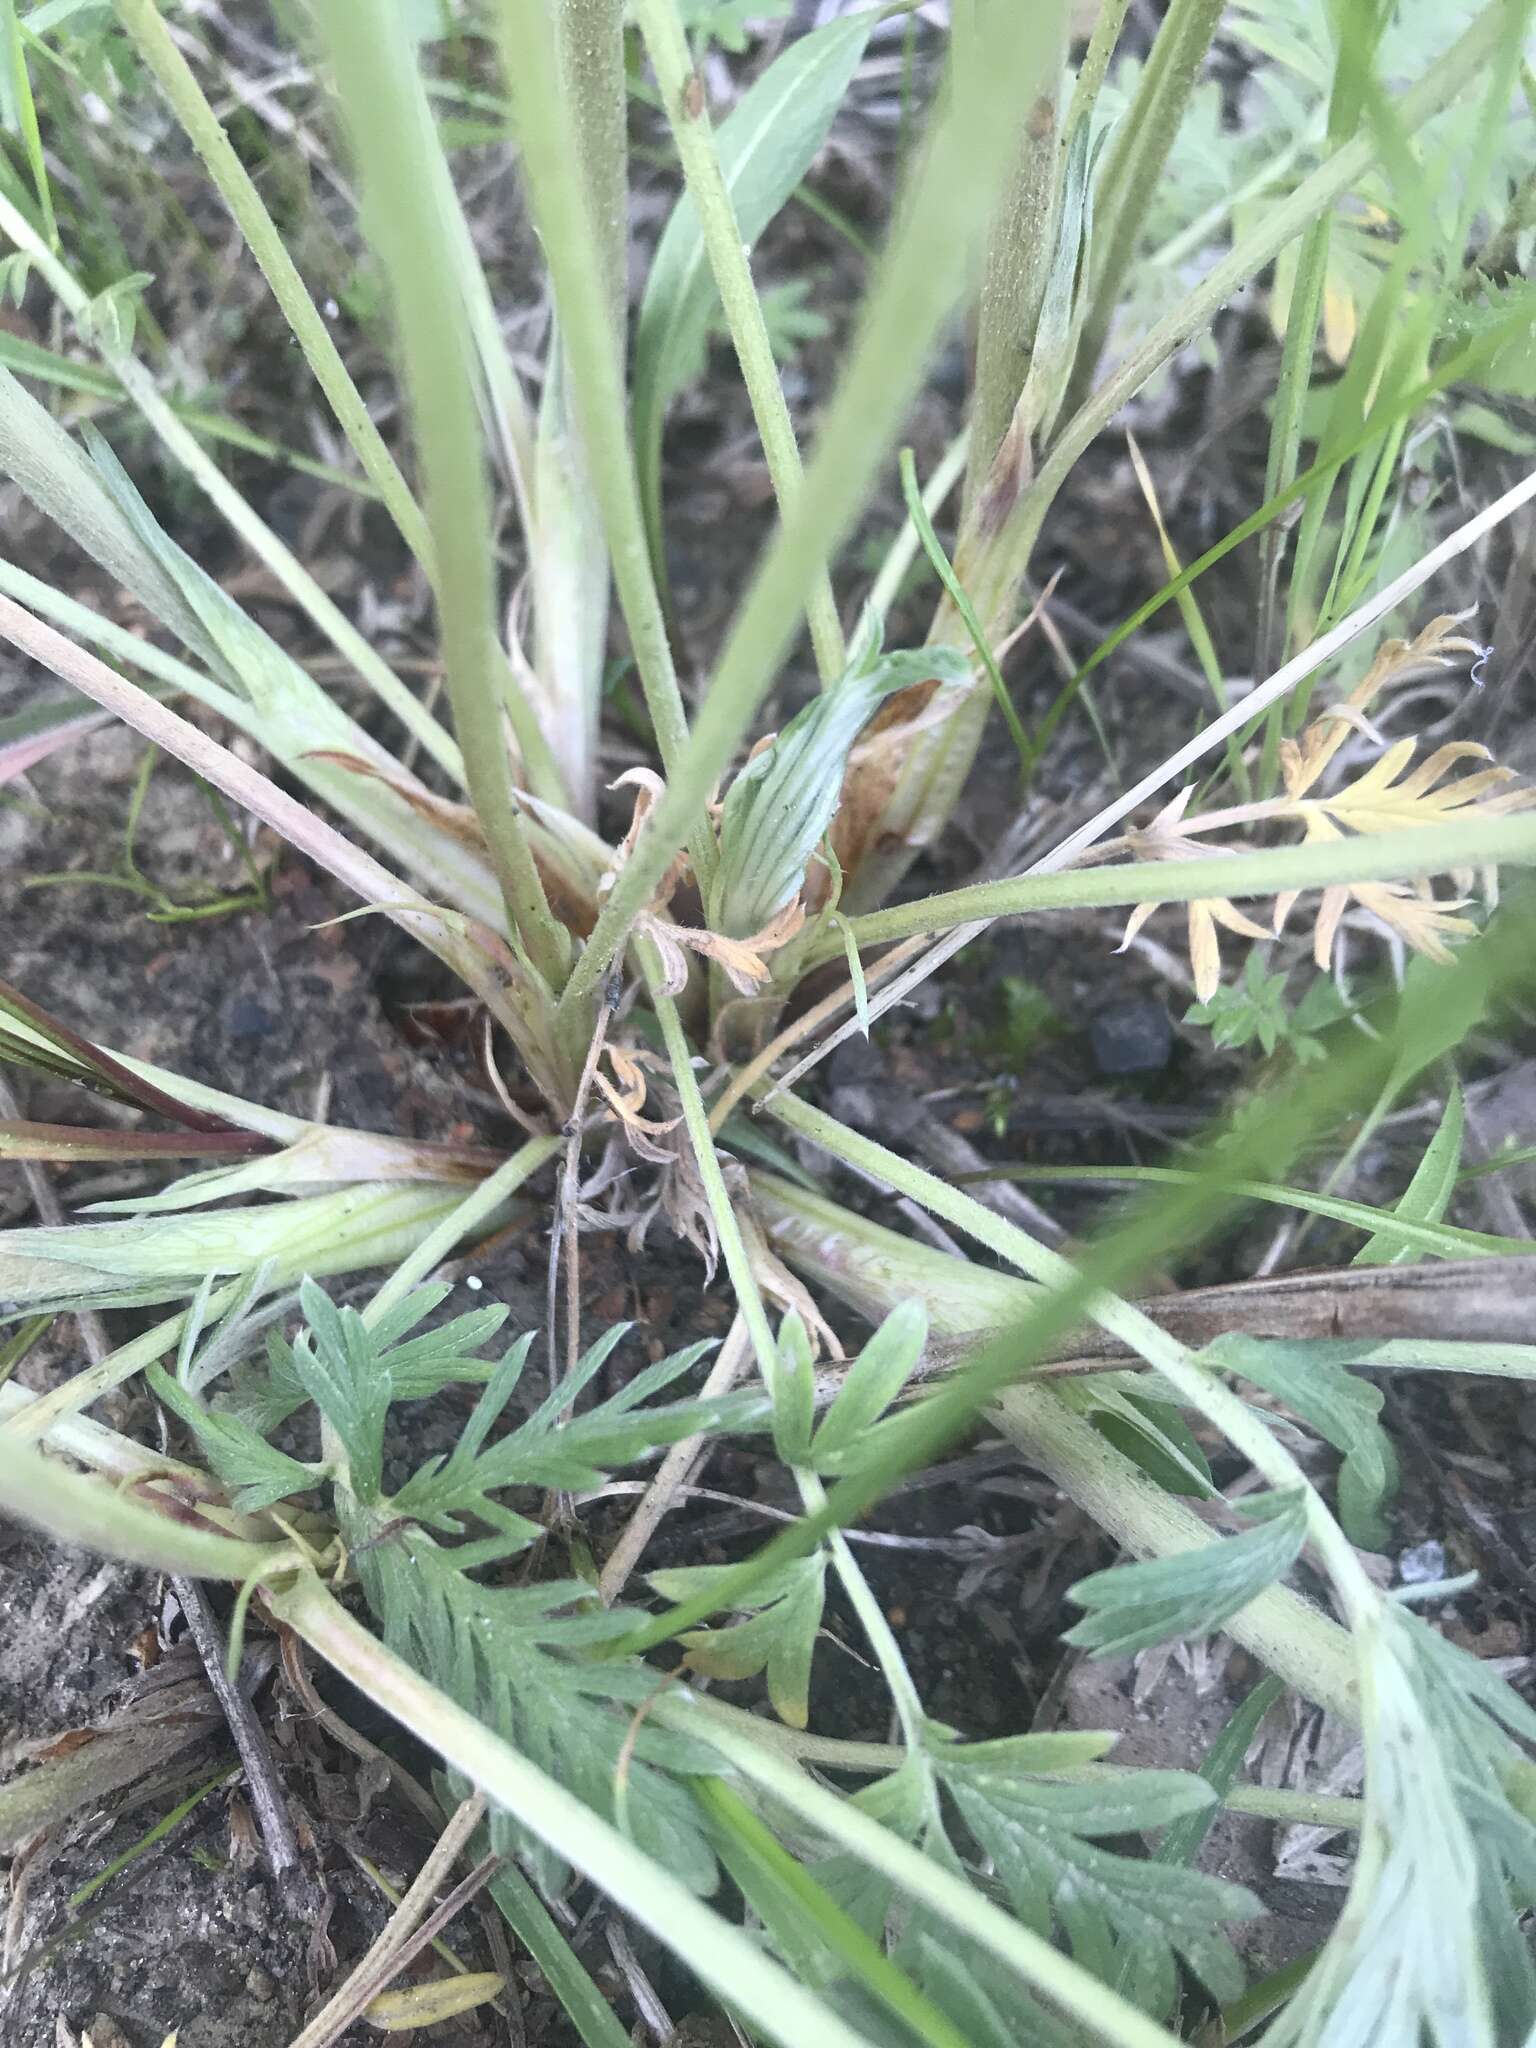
175, 77
1135, 165
582, 277
920, 281
683, 94
1285, 437
568, 556
994, 573
394, 145
882, 1638
1013, 283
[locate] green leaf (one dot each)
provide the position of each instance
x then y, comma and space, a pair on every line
1152, 1434
255, 1473
525, 1667
1132, 1606
342, 1373
1115, 1911
1183, 1837
1061, 1750
872, 1382
554, 1449
726, 22
779, 1639
794, 1393
1309, 1376
1428, 1194
782, 800
820, 1941
766, 145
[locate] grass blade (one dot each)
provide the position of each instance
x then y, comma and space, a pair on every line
737, 181
176, 79
395, 144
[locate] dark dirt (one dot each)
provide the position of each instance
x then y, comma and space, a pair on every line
1012, 1050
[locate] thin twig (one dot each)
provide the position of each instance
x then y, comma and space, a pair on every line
653, 2013
385, 1959
567, 1228
675, 1471
267, 1800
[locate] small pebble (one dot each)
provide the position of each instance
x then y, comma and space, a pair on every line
1423, 1565
474, 1283
249, 1019
1131, 1037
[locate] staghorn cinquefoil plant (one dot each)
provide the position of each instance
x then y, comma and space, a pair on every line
695, 931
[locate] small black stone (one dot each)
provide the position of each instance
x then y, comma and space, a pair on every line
249, 1019
1132, 1037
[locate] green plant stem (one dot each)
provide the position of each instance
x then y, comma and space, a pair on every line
123, 1461
236, 187
1107, 2016
720, 1953
1196, 1383
81, 1511
1134, 169
183, 444
1109, 19
46, 1415
394, 144
903, 550
767, 1870
874, 1268
1004, 560
1284, 457
918, 284
917, 513
1392, 856
1278, 1803
568, 557
683, 96
738, 1262
1018, 260
573, 249
1445, 1239
456, 1226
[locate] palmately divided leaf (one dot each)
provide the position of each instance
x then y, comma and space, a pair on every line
1114, 1910
255, 1472
871, 1383
1309, 1376
515, 1659
1132, 1606
782, 801
1430, 1948
779, 1639
552, 1448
